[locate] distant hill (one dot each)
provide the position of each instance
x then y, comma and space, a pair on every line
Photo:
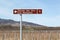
16, 23
11, 24
8, 24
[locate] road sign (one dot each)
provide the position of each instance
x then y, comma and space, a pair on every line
27, 11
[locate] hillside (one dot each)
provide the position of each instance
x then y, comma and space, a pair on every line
16, 23
7, 24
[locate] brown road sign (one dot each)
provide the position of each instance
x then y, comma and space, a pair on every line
27, 11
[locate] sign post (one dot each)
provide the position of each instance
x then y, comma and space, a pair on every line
25, 11
21, 27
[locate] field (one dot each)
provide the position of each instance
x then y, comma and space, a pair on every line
30, 35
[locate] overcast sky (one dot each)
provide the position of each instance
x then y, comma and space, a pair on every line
49, 17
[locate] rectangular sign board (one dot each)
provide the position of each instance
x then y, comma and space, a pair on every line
27, 11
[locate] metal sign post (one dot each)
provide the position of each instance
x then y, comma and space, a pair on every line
25, 11
20, 26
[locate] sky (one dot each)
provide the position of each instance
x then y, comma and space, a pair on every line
50, 11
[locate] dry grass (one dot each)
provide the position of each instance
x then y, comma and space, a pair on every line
33, 35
